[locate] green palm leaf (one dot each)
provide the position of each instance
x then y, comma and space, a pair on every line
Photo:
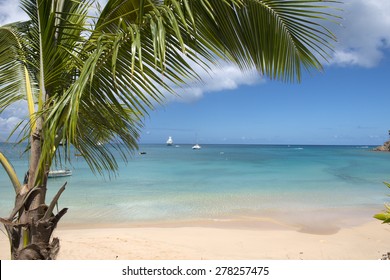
16, 82
385, 217
12, 75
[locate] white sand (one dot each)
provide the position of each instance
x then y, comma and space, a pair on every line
202, 241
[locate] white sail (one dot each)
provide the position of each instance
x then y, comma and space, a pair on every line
169, 141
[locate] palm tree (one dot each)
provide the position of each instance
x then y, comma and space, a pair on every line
91, 74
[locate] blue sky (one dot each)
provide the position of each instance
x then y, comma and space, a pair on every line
346, 104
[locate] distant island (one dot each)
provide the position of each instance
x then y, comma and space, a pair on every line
384, 148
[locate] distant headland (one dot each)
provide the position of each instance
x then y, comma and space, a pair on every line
384, 148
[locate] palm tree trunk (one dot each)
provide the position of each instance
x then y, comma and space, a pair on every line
31, 235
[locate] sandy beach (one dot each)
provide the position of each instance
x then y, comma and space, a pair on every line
206, 241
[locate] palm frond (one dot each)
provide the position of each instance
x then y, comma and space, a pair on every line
116, 80
11, 173
278, 38
12, 85
16, 82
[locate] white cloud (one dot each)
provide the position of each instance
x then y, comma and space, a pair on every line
11, 117
223, 77
365, 33
10, 12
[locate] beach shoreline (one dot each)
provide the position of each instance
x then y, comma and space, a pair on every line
216, 240
320, 221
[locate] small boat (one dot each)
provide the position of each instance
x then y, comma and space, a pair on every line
59, 173
196, 147
169, 141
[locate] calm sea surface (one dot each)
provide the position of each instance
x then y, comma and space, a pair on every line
220, 182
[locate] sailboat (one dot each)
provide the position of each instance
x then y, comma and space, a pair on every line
196, 147
54, 173
169, 141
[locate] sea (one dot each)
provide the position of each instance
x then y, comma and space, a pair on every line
289, 184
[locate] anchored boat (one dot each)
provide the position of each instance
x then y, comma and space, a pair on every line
169, 141
60, 173
196, 147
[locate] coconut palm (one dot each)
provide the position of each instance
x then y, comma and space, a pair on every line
90, 75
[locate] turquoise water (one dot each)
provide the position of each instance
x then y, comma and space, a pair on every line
218, 182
